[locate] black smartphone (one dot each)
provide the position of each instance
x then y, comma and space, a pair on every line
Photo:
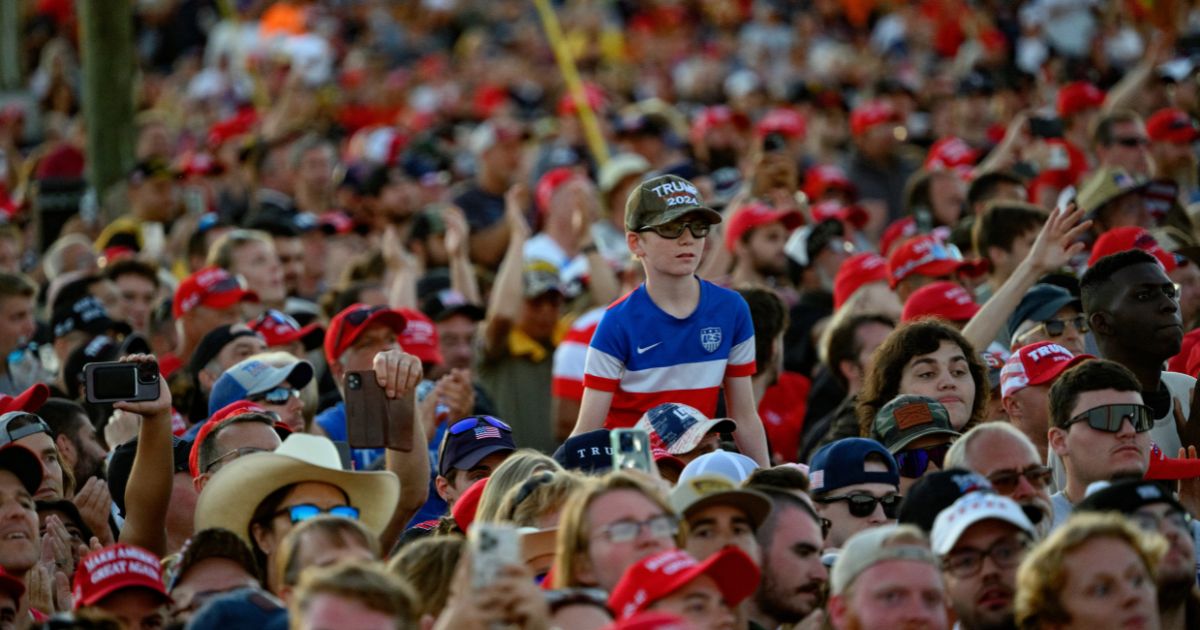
1041, 127
372, 419
114, 381
773, 142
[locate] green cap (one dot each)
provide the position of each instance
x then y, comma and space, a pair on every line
1104, 186
907, 418
662, 200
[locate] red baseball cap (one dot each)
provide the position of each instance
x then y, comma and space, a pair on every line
948, 300
870, 114
549, 183
1078, 96
228, 411
117, 567
651, 620
755, 215
1130, 237
346, 326
280, 329
1163, 468
467, 505
951, 153
1172, 125
420, 337
716, 116
784, 121
212, 287
922, 255
853, 216
858, 270
821, 178
895, 232
11, 584
1036, 364
657, 576
28, 401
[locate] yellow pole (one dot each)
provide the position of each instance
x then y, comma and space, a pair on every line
566, 65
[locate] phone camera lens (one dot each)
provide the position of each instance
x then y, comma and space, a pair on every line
353, 381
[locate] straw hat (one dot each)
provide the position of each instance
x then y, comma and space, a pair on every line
230, 498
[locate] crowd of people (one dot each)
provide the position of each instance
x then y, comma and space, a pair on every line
801, 314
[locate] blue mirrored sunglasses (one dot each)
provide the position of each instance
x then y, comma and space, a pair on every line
305, 511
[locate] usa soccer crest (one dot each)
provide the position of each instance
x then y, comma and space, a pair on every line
710, 338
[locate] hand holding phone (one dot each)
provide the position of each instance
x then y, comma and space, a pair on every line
493, 547
121, 381
631, 450
373, 420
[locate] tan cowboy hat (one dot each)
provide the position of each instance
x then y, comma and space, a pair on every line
235, 491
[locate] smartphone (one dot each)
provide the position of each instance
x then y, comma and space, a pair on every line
631, 449
773, 142
372, 419
114, 381
1041, 127
493, 546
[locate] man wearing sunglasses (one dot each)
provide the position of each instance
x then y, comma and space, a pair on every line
1099, 428
1048, 313
917, 431
1025, 387
1121, 142
855, 486
979, 541
275, 389
1012, 465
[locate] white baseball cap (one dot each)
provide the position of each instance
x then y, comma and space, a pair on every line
971, 509
733, 466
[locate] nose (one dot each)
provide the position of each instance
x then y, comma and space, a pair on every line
1126, 431
878, 517
725, 618
1024, 489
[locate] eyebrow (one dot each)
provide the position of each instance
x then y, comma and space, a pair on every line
918, 362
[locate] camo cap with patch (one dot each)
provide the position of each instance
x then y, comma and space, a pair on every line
663, 199
907, 418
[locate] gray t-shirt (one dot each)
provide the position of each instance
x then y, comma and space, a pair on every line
1062, 508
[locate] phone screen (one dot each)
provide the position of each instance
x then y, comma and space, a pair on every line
115, 382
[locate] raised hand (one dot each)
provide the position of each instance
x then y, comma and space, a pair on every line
94, 502
1058, 241
159, 409
514, 211
398, 372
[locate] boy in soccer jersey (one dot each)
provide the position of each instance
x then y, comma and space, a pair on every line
676, 338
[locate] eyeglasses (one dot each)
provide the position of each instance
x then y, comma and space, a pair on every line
1005, 481
674, 229
276, 396
305, 511
229, 456
661, 526
1005, 553
826, 525
862, 505
1151, 522
1110, 418
466, 424
1056, 327
1132, 142
914, 462
34, 425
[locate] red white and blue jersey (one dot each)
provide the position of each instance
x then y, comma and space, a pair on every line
647, 357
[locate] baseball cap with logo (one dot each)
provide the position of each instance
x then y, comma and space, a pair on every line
447, 303
1105, 185
214, 341
923, 255
251, 377
869, 114
906, 418
657, 576
1125, 238
858, 270
87, 315
589, 452
679, 428
843, 463
951, 154
733, 466
541, 277
420, 337
1127, 496
699, 492
280, 329
974, 508
1036, 364
663, 199
470, 440
947, 300
346, 326
212, 287
1172, 125
758, 214
115, 568
937, 491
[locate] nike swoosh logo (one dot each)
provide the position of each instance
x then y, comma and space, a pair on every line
641, 349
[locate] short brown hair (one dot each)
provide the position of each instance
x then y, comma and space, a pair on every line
428, 565
1089, 376
1002, 223
843, 342
1102, 132
1041, 578
16, 285
368, 585
132, 266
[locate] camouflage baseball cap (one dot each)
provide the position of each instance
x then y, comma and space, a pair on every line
907, 418
662, 200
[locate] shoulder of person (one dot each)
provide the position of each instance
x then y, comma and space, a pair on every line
1179, 385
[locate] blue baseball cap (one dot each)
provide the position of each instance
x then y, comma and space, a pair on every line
589, 452
1040, 303
252, 376
842, 463
681, 427
470, 440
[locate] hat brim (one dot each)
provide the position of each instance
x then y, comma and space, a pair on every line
99, 594
735, 574
226, 299
470, 460
694, 435
236, 490
960, 526
471, 311
31, 399
713, 216
928, 431
1047, 310
755, 504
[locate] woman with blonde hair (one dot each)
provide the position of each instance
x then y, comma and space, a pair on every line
518, 467
607, 526
1096, 571
539, 501
428, 566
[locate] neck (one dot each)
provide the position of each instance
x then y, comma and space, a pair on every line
677, 295
1147, 369
491, 182
1076, 488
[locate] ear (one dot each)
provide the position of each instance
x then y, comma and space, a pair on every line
634, 241
837, 611
199, 482
264, 537
1012, 406
206, 379
1101, 322
850, 369
998, 256
442, 485
1058, 440
65, 449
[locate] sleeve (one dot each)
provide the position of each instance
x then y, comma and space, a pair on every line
741, 356
605, 364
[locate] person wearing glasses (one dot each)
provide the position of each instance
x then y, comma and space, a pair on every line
916, 430
1100, 429
1156, 510
1121, 142
1048, 312
979, 541
274, 388
675, 338
262, 496
1025, 384
1010, 462
1133, 310
855, 486
238, 429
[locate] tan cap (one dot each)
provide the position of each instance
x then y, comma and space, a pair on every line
701, 491
1105, 185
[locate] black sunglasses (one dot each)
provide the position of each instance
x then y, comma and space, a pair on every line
862, 505
1005, 481
1132, 142
914, 462
699, 229
1110, 418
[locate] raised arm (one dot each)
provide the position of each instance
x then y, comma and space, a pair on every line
504, 307
399, 373
462, 274
750, 436
148, 492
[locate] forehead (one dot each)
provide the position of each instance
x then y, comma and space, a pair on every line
1140, 274
902, 574
720, 511
1091, 400
947, 351
999, 451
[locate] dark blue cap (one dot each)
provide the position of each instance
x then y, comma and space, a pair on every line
589, 452
1040, 303
465, 449
841, 463
937, 491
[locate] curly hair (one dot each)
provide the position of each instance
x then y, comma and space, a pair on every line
906, 342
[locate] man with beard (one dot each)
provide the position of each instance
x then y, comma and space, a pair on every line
980, 540
1172, 132
75, 437
756, 237
1010, 462
793, 577
1156, 510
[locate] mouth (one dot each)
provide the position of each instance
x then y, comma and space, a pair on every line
946, 400
995, 598
15, 536
1127, 449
